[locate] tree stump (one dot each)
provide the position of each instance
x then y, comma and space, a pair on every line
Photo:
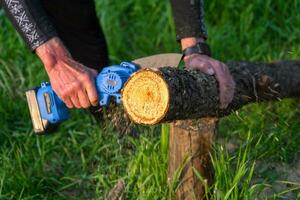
189, 147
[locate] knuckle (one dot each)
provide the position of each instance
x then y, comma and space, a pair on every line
92, 92
64, 94
202, 65
75, 101
85, 76
76, 86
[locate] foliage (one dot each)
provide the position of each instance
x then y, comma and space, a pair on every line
84, 160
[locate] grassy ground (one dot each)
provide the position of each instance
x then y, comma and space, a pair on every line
257, 154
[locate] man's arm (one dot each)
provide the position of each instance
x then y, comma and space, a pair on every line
72, 82
190, 30
189, 18
30, 20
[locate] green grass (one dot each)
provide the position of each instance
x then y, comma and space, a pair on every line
84, 161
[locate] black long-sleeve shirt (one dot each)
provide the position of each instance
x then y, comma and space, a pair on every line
189, 18
32, 22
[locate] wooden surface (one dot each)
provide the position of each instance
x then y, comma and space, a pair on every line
189, 146
192, 94
146, 97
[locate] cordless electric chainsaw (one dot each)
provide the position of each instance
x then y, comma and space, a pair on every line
46, 108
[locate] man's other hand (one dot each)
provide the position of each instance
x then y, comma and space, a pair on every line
211, 66
71, 81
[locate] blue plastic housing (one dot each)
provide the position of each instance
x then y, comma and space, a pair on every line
51, 107
111, 80
109, 83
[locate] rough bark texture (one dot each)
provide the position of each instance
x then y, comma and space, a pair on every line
195, 95
191, 140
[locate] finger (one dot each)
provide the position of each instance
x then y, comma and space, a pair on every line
91, 92
226, 84
226, 96
62, 93
68, 103
218, 66
195, 63
222, 78
69, 97
75, 101
83, 99
207, 68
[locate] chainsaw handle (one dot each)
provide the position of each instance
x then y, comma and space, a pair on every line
52, 108
109, 83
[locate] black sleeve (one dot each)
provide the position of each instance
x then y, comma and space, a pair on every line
30, 20
189, 18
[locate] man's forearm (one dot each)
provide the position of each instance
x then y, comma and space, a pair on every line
190, 41
189, 18
30, 20
71, 81
51, 52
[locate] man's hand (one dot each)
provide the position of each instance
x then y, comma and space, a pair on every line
71, 81
211, 66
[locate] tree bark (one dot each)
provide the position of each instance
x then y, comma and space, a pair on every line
189, 146
168, 94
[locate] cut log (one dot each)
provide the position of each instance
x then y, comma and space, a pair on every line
168, 94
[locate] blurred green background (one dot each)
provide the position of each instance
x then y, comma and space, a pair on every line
257, 152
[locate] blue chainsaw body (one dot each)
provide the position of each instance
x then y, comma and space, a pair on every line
51, 107
109, 83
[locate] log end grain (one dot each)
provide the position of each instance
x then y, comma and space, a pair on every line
146, 97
